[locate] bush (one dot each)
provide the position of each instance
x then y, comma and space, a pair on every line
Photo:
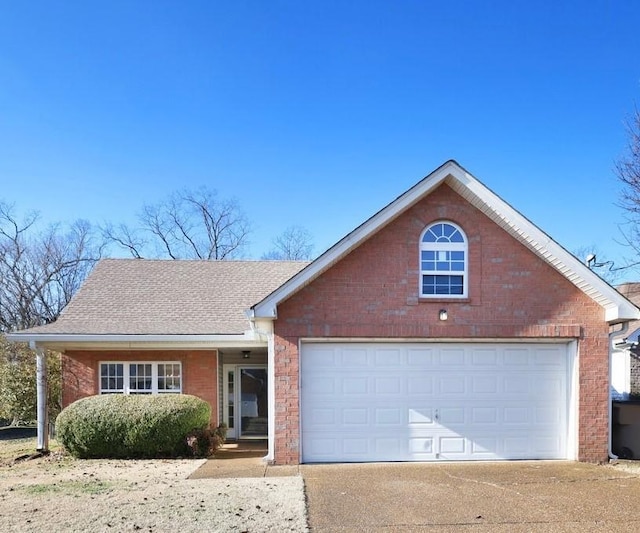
204, 442
18, 382
131, 426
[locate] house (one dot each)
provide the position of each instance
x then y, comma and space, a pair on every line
625, 367
625, 383
445, 327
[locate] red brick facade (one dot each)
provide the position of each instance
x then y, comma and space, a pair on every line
80, 372
373, 293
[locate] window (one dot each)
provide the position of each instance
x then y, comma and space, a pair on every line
443, 261
140, 378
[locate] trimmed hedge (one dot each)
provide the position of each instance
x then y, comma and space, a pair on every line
131, 426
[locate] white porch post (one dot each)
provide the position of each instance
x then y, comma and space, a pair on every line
271, 390
41, 390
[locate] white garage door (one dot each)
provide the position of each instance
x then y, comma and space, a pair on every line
427, 402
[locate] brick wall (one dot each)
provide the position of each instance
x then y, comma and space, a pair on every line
634, 373
373, 292
80, 372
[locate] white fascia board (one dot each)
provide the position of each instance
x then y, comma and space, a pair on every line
267, 308
617, 307
125, 342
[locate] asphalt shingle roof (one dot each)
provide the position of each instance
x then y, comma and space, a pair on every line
164, 297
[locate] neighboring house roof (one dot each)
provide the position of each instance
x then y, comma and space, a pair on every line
617, 307
166, 297
631, 291
631, 341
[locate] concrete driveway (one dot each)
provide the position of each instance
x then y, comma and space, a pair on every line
514, 496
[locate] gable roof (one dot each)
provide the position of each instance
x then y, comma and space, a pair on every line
167, 297
617, 307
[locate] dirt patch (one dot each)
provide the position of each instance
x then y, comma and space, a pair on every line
57, 493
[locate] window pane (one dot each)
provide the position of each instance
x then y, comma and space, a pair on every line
111, 377
445, 285
443, 233
428, 284
428, 255
456, 237
140, 377
169, 379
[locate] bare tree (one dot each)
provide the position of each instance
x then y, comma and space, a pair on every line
187, 225
627, 170
40, 271
294, 244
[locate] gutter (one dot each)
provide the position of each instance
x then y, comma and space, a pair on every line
92, 337
119, 341
612, 336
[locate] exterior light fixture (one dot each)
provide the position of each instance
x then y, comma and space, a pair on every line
443, 315
246, 354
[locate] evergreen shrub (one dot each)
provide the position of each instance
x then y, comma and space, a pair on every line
131, 426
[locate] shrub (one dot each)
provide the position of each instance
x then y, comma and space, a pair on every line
18, 382
131, 426
204, 442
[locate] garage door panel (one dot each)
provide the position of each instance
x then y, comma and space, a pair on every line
355, 417
419, 416
452, 385
485, 415
516, 356
388, 417
420, 385
451, 356
350, 385
436, 402
386, 358
318, 417
420, 357
485, 384
451, 416
517, 415
353, 357
484, 357
453, 446
392, 385
422, 447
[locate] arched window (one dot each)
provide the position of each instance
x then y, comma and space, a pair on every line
443, 261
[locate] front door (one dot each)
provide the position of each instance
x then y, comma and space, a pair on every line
245, 401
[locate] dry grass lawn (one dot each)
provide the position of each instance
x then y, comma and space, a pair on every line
59, 493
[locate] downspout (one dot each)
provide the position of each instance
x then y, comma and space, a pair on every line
41, 398
612, 336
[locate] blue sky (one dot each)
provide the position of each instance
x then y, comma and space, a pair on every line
317, 113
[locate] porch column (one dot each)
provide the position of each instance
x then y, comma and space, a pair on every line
41, 391
271, 388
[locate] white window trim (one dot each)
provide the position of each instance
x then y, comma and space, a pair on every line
444, 246
126, 374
